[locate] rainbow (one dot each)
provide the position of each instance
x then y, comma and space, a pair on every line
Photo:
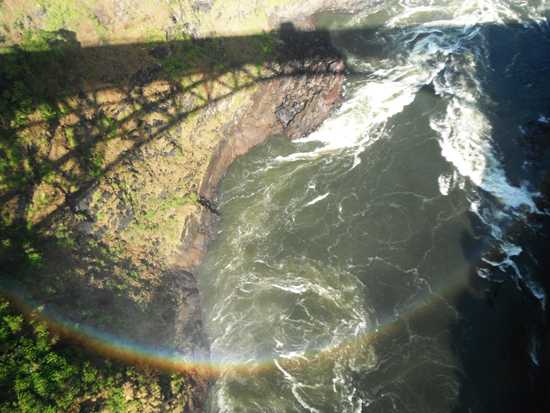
130, 352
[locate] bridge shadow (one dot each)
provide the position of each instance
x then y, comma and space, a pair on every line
57, 93
72, 115
62, 102
134, 92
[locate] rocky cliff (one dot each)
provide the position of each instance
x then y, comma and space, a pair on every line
118, 121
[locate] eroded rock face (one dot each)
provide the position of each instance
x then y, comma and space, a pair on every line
141, 135
288, 110
294, 106
145, 223
314, 92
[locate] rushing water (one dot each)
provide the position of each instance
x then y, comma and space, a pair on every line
381, 264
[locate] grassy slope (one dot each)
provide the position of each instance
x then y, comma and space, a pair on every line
39, 371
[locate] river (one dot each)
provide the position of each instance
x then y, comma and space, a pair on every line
388, 261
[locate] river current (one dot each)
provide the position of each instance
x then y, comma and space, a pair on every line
388, 261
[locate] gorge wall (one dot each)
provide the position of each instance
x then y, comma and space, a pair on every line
119, 120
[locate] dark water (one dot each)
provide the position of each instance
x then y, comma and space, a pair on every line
389, 262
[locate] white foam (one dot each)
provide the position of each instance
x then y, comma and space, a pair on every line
465, 140
316, 200
295, 289
511, 251
465, 134
534, 350
223, 402
467, 13
428, 55
361, 119
294, 386
393, 86
444, 182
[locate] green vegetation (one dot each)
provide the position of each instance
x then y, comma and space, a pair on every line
69, 135
28, 91
62, 14
266, 42
156, 212
48, 113
31, 114
39, 373
108, 126
215, 55
20, 251
57, 136
95, 162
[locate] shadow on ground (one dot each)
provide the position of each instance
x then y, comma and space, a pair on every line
70, 115
61, 103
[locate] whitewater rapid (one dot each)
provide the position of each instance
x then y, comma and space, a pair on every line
446, 53
288, 283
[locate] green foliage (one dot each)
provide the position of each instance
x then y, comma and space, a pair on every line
215, 55
61, 13
20, 250
12, 172
33, 378
38, 373
177, 383
109, 126
18, 98
69, 135
266, 44
39, 41
33, 257
48, 113
95, 164
116, 402
64, 238
23, 71
187, 56
156, 213
41, 373
174, 66
13, 322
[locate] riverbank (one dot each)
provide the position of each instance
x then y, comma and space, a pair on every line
110, 150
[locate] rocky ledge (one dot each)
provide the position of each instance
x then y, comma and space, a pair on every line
110, 208
293, 104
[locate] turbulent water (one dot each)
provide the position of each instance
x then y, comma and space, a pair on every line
387, 262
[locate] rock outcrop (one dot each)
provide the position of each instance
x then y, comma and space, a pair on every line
126, 144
